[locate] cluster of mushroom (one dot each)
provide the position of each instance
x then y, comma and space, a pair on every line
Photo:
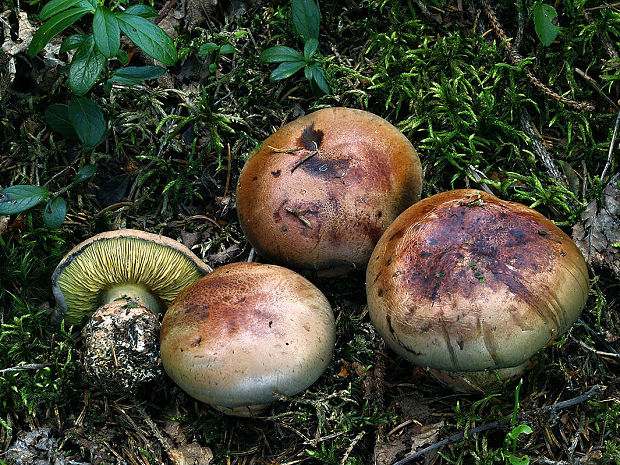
459, 282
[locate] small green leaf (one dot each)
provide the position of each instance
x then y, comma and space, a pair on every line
318, 75
546, 23
72, 42
308, 72
106, 31
306, 18
279, 54
226, 49
514, 460
149, 37
207, 48
56, 6
57, 117
310, 48
286, 69
87, 172
87, 64
145, 11
55, 212
87, 120
122, 56
16, 199
54, 26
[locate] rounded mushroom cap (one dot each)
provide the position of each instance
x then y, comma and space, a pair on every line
121, 347
94, 271
464, 281
245, 331
323, 188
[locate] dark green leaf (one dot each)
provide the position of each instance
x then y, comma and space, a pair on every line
57, 117
56, 6
149, 37
546, 23
55, 212
145, 11
106, 31
306, 18
286, 69
16, 199
87, 172
207, 48
73, 41
280, 54
310, 48
54, 26
87, 120
308, 72
227, 48
122, 56
138, 73
318, 75
87, 64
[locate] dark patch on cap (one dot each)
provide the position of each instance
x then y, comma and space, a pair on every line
276, 174
311, 138
325, 168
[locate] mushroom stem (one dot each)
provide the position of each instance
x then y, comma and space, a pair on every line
479, 381
134, 291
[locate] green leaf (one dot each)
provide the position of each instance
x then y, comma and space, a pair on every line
56, 6
207, 48
106, 31
57, 118
149, 37
308, 72
87, 172
227, 48
16, 199
319, 78
87, 64
138, 73
306, 17
310, 48
122, 56
73, 41
145, 11
514, 460
54, 26
87, 120
279, 54
55, 212
546, 23
518, 430
286, 69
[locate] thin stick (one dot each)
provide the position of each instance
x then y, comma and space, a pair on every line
611, 148
496, 424
228, 172
28, 366
540, 149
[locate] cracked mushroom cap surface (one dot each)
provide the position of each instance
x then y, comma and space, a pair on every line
465, 281
322, 189
244, 332
119, 263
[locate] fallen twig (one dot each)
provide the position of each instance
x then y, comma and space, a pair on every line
612, 145
496, 424
28, 366
516, 59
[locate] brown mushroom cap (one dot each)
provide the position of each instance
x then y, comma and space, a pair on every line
464, 281
328, 211
245, 331
122, 263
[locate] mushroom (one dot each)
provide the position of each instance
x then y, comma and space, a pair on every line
464, 282
322, 189
126, 263
245, 332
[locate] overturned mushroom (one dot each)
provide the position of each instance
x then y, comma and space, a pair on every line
245, 332
463, 281
125, 263
323, 188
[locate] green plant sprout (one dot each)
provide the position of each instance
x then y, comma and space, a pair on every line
306, 18
18, 198
512, 437
82, 118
